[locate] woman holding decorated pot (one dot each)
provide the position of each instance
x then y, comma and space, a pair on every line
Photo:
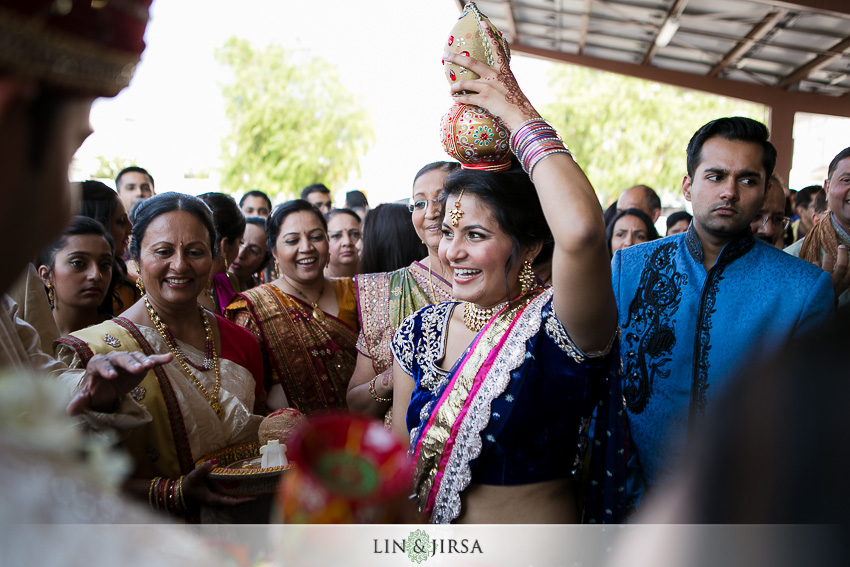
306, 322
204, 399
385, 299
496, 391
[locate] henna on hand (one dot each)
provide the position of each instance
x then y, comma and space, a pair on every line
505, 76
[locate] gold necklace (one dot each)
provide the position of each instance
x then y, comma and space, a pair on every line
475, 317
162, 329
318, 314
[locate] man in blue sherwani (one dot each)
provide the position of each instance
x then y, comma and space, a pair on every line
697, 306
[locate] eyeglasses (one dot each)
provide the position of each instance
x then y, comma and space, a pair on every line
776, 220
420, 204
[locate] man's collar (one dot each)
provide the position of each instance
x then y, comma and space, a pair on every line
734, 249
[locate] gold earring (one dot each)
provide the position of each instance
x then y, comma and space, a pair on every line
51, 298
141, 285
526, 277
276, 270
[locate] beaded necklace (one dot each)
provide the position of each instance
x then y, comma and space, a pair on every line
475, 317
210, 358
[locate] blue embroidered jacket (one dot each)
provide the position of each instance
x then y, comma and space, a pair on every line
687, 331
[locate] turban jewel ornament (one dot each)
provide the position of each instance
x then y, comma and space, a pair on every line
470, 134
87, 47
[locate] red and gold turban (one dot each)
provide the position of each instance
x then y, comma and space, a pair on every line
81, 46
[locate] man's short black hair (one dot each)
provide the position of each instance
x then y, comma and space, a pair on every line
314, 188
735, 128
255, 193
133, 169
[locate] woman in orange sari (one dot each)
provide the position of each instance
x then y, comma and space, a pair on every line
306, 322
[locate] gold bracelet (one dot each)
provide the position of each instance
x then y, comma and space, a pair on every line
180, 493
150, 492
374, 393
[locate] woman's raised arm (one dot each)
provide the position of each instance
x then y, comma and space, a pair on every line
581, 270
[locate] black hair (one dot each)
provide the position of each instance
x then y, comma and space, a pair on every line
513, 201
80, 226
169, 202
275, 220
227, 216
843, 154
735, 128
255, 193
99, 202
447, 166
334, 212
314, 188
133, 169
803, 197
389, 240
356, 199
651, 233
677, 217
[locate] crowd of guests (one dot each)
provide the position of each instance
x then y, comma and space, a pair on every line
542, 364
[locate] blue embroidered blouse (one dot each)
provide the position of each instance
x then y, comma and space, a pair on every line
538, 425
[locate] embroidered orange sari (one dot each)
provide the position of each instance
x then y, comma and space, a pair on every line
311, 360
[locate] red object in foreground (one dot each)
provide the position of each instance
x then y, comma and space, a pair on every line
347, 469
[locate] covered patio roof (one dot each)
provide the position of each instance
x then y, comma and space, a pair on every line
791, 56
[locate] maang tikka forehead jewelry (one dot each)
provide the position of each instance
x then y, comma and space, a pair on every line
456, 213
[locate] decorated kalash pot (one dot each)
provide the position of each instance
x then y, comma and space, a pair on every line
252, 470
470, 134
348, 469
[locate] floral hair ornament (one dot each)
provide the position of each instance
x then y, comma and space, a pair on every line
456, 213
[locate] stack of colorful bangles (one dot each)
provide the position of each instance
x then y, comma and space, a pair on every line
535, 140
166, 494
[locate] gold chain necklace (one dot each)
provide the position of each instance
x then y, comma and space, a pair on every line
162, 328
475, 317
318, 314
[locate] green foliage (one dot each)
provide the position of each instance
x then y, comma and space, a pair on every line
108, 168
292, 122
626, 131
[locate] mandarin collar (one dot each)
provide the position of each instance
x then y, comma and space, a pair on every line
733, 249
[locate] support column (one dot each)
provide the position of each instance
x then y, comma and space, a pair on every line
782, 136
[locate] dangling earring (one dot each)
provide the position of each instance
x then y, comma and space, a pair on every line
141, 285
526, 277
276, 270
51, 298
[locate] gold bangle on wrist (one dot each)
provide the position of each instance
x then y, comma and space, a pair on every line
154, 481
374, 393
180, 494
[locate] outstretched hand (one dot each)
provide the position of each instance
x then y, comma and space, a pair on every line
838, 268
110, 376
497, 90
196, 490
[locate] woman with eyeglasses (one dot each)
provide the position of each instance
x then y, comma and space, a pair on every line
384, 300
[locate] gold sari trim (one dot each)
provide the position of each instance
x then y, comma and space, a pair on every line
434, 442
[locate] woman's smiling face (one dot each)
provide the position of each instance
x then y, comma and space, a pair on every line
478, 251
301, 248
